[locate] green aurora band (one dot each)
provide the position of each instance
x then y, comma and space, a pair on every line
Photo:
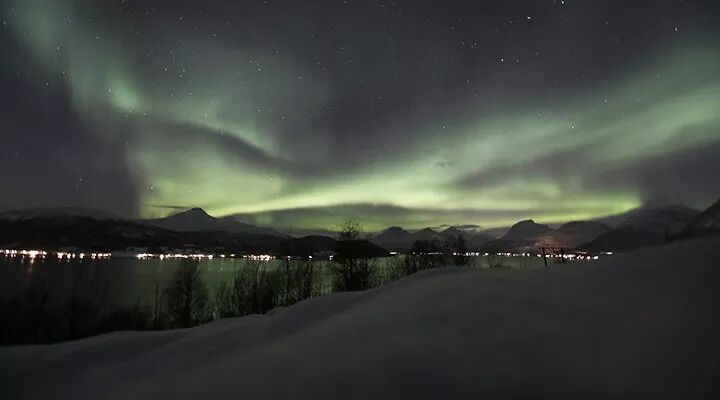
197, 139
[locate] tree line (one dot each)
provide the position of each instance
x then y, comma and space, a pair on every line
186, 300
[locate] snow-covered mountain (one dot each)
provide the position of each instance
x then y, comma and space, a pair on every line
196, 219
705, 223
472, 237
524, 234
527, 230
79, 228
645, 226
427, 234
453, 232
575, 233
528, 234
399, 239
393, 234
465, 228
625, 238
667, 219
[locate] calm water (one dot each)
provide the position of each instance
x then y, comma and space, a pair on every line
130, 281
119, 280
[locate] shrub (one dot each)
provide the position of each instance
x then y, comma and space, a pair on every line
458, 249
225, 304
186, 296
495, 261
260, 287
425, 255
350, 269
301, 281
395, 268
264, 288
353, 274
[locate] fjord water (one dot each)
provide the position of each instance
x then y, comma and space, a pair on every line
129, 281
122, 281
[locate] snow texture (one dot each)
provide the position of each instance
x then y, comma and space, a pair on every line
635, 326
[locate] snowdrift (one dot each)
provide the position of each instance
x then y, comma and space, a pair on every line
639, 325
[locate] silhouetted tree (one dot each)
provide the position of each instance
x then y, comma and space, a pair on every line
424, 255
459, 249
186, 296
301, 281
350, 231
351, 269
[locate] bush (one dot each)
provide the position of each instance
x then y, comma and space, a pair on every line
186, 296
302, 281
264, 289
225, 304
458, 249
425, 255
353, 274
31, 319
351, 271
259, 288
495, 261
395, 268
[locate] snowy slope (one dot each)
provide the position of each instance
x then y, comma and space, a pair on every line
638, 325
666, 219
706, 223
646, 226
575, 233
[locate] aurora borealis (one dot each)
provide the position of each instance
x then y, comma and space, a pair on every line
303, 114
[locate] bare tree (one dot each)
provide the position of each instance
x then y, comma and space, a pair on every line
350, 231
186, 296
351, 269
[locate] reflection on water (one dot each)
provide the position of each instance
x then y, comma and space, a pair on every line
120, 281
128, 281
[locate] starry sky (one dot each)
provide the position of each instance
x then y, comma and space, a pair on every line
306, 113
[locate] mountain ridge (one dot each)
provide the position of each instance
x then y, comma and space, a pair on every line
197, 219
636, 228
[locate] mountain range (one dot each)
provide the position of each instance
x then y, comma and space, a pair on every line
646, 226
398, 239
90, 229
528, 235
704, 224
196, 219
193, 229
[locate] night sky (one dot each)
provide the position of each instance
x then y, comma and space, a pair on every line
306, 113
